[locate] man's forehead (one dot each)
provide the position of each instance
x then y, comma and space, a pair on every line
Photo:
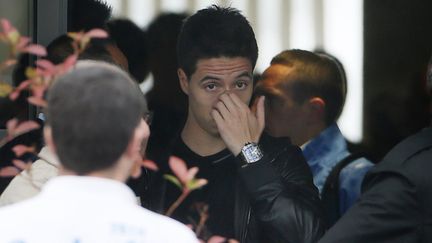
274, 79
276, 75
224, 64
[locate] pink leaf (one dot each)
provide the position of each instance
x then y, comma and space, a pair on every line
24, 84
6, 25
178, 166
14, 95
96, 33
20, 150
216, 239
191, 173
21, 164
149, 165
201, 182
9, 171
45, 64
36, 50
25, 126
22, 42
69, 62
37, 101
11, 125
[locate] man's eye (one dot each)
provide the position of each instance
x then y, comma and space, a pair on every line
210, 86
241, 85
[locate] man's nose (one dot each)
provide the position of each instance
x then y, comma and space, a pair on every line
227, 91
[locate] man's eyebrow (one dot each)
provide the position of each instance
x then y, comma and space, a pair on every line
208, 77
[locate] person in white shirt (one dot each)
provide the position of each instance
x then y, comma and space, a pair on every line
95, 127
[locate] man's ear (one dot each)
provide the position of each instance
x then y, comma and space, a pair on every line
316, 107
49, 141
138, 141
134, 150
184, 82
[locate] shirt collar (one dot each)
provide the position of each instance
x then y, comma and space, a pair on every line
327, 147
75, 187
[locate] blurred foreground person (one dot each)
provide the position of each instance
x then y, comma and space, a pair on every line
29, 182
97, 140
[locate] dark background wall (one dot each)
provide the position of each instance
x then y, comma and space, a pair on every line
397, 47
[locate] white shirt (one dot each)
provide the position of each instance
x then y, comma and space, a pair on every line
79, 209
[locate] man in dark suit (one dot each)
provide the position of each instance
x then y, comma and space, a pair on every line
397, 196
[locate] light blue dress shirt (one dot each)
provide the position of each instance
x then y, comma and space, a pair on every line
323, 153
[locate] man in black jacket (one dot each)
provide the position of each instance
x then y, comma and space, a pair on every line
396, 200
260, 188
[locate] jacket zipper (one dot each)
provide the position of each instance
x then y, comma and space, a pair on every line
247, 225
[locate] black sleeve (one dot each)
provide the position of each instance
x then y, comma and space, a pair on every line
283, 197
386, 212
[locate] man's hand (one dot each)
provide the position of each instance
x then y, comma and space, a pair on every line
237, 124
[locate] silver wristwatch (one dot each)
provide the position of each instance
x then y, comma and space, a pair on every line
251, 153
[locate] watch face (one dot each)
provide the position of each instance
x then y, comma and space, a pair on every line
251, 153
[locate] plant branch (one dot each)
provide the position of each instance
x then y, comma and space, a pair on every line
177, 203
203, 219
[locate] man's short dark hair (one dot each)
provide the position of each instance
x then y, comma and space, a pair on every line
132, 41
215, 32
93, 112
61, 48
315, 75
84, 15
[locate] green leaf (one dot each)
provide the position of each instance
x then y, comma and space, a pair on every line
13, 37
174, 180
195, 184
5, 89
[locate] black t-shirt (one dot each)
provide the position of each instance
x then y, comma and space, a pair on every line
220, 171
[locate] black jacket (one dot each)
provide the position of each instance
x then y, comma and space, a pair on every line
395, 205
275, 199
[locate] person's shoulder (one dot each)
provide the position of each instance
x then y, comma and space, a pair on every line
358, 166
412, 155
411, 147
29, 182
22, 186
408, 161
354, 173
268, 139
272, 144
